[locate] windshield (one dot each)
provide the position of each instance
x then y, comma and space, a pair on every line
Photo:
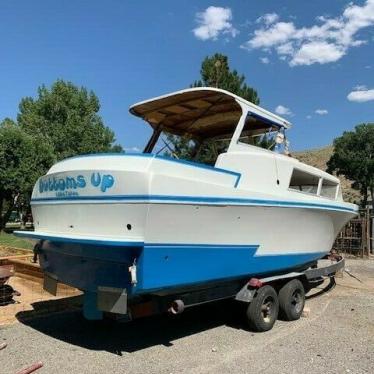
185, 148
256, 131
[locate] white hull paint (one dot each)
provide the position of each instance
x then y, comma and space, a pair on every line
277, 230
171, 202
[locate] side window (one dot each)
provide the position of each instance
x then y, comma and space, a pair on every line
328, 189
304, 182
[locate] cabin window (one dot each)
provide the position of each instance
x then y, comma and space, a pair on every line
328, 189
304, 182
260, 132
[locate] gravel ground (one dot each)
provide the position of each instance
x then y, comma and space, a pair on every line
337, 337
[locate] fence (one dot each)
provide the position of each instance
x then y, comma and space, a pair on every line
356, 238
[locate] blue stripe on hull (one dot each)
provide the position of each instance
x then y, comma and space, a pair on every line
87, 267
209, 200
161, 267
194, 164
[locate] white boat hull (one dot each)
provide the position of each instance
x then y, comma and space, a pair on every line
176, 237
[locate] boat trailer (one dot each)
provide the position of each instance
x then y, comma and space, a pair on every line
266, 297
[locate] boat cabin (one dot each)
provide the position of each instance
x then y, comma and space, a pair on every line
205, 115
242, 136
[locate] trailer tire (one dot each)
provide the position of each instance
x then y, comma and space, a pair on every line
292, 300
262, 312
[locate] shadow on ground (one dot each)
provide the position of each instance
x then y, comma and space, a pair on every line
62, 319
115, 337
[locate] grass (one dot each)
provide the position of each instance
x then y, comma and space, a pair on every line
10, 240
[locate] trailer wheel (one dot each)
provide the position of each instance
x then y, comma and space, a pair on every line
292, 300
263, 310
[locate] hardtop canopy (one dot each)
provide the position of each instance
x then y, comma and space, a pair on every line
205, 112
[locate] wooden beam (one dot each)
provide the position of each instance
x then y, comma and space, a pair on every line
215, 118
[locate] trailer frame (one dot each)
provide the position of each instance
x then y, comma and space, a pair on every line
242, 290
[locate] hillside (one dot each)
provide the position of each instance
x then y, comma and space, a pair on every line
318, 158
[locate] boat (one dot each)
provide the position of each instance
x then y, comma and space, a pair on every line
152, 224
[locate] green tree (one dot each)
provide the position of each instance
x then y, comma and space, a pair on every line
67, 116
23, 158
215, 72
353, 157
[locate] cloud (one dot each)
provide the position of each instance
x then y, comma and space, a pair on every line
264, 60
308, 116
361, 95
317, 52
324, 42
360, 87
268, 18
213, 22
321, 112
132, 149
277, 34
283, 111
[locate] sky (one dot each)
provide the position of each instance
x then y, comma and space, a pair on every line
312, 62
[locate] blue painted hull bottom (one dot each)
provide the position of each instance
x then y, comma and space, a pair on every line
162, 267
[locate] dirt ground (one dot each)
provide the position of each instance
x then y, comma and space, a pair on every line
34, 300
337, 337
11, 251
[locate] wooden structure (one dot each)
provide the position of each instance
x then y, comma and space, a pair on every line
202, 113
356, 238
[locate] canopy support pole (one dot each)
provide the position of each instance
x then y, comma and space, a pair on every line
153, 140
